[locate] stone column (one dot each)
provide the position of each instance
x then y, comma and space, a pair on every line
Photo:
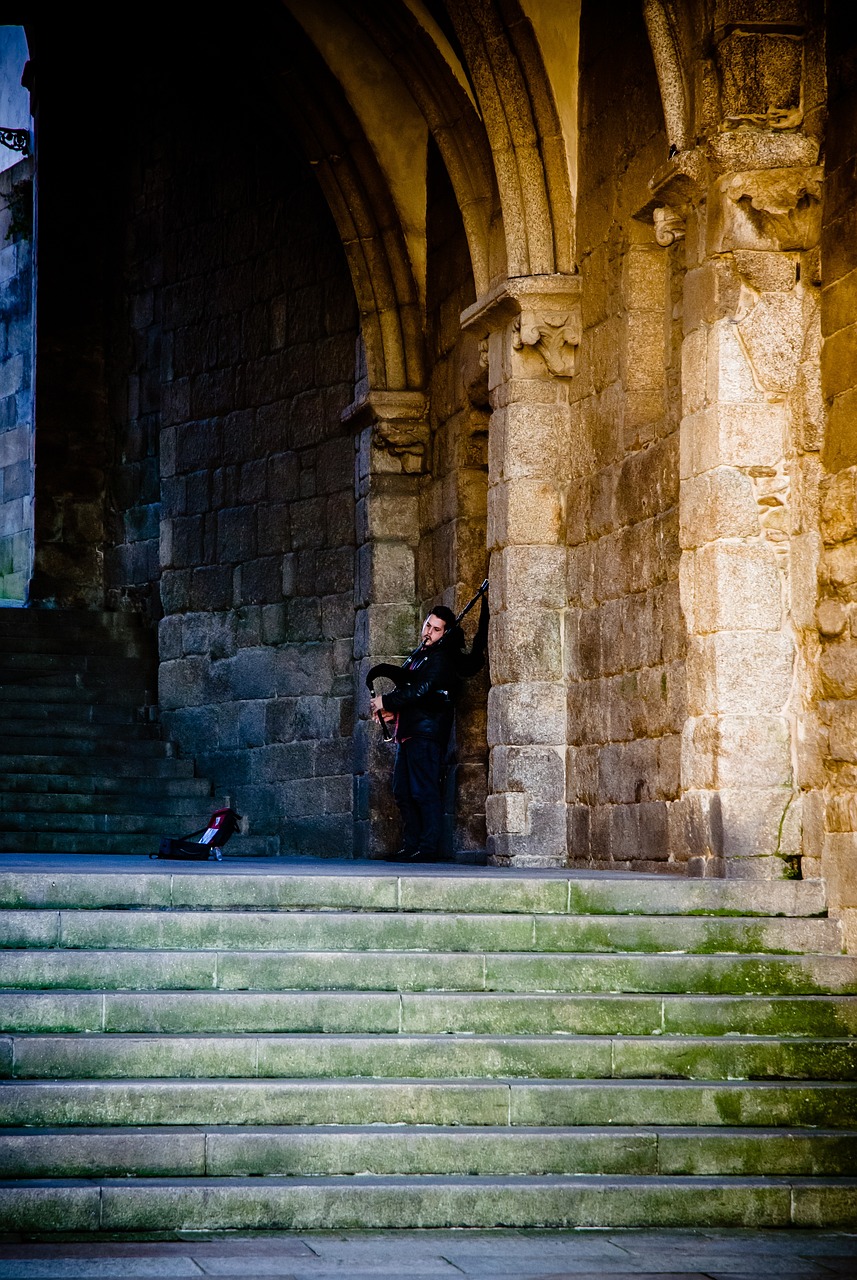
531, 327
390, 438
748, 562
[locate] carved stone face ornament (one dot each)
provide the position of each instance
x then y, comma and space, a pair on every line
555, 337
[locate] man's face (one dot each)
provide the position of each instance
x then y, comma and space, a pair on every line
433, 629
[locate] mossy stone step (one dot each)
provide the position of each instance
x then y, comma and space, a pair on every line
312, 1056
161, 1205
495, 1103
371, 931
230, 1151
474, 1044
424, 971
290, 885
482, 1013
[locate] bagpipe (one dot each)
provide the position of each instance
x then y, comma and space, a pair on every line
400, 675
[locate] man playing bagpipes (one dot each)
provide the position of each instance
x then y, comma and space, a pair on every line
418, 714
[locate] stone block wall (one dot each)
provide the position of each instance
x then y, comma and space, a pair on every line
16, 382
132, 566
624, 649
234, 510
837, 578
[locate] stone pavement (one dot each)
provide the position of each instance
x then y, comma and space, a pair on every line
697, 1254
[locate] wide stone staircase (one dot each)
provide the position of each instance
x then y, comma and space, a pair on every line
84, 767
301, 1046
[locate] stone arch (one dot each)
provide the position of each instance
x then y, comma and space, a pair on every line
454, 124
665, 40
359, 197
524, 130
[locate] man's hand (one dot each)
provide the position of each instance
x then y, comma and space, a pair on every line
377, 706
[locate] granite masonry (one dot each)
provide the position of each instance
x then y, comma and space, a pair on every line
380, 302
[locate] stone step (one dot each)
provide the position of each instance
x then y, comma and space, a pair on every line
324, 1151
379, 888
120, 765
73, 714
15, 665
78, 747
387, 931
104, 821
420, 971
189, 810
136, 687
77, 641
72, 691
401, 1056
16, 624
482, 1102
485, 1013
21, 790
247, 1204
16, 730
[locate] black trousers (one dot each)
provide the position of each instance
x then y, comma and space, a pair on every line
417, 792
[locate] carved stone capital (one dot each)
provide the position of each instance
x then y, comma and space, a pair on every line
399, 421
767, 209
540, 313
555, 335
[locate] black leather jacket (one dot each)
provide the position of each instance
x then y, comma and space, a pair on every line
425, 703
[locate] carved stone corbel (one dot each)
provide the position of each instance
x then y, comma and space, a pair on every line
670, 224
676, 188
541, 313
399, 421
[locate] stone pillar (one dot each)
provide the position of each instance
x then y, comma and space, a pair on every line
748, 550
390, 438
532, 329
837, 608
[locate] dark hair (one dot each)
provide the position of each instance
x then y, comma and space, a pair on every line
446, 615
453, 636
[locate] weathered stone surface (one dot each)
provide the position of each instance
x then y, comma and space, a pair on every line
839, 669
523, 511
526, 713
739, 673
717, 504
736, 588
736, 435
230, 454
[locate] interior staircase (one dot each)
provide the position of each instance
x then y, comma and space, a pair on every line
84, 767
301, 1046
